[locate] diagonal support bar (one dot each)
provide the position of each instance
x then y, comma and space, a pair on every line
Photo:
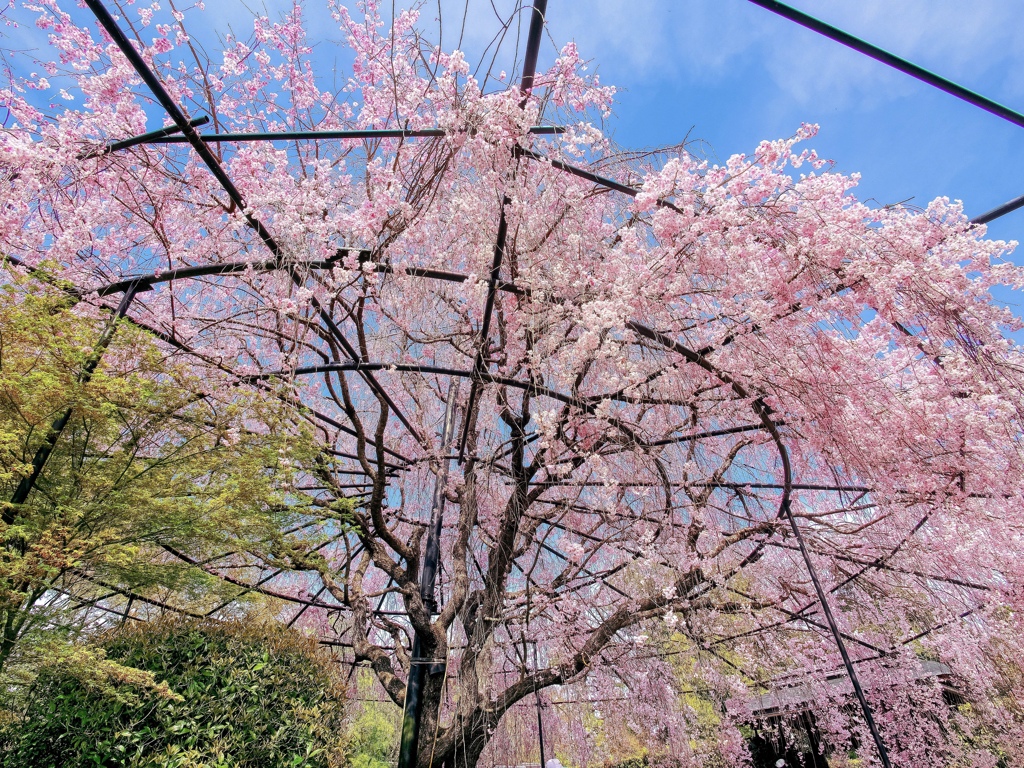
785, 511
602, 181
1002, 210
878, 54
837, 635
184, 125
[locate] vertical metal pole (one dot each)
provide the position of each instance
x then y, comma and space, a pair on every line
49, 443
539, 13
408, 749
536, 696
127, 610
537, 16
812, 740
432, 552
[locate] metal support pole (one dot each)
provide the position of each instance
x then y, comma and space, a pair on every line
602, 181
838, 636
432, 552
537, 16
45, 450
408, 749
536, 696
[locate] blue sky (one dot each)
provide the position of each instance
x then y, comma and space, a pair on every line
730, 74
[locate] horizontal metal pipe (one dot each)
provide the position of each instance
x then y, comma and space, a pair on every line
383, 133
144, 138
237, 267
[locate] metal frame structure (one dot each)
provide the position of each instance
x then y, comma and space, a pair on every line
184, 131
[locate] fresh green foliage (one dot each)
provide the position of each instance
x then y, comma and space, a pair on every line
236, 695
373, 730
157, 456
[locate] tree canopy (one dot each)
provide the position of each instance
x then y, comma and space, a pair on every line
682, 381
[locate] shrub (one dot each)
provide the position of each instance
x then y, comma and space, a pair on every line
373, 735
238, 695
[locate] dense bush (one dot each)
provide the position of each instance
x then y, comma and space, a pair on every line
237, 695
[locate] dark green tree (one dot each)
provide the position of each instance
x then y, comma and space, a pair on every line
185, 693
